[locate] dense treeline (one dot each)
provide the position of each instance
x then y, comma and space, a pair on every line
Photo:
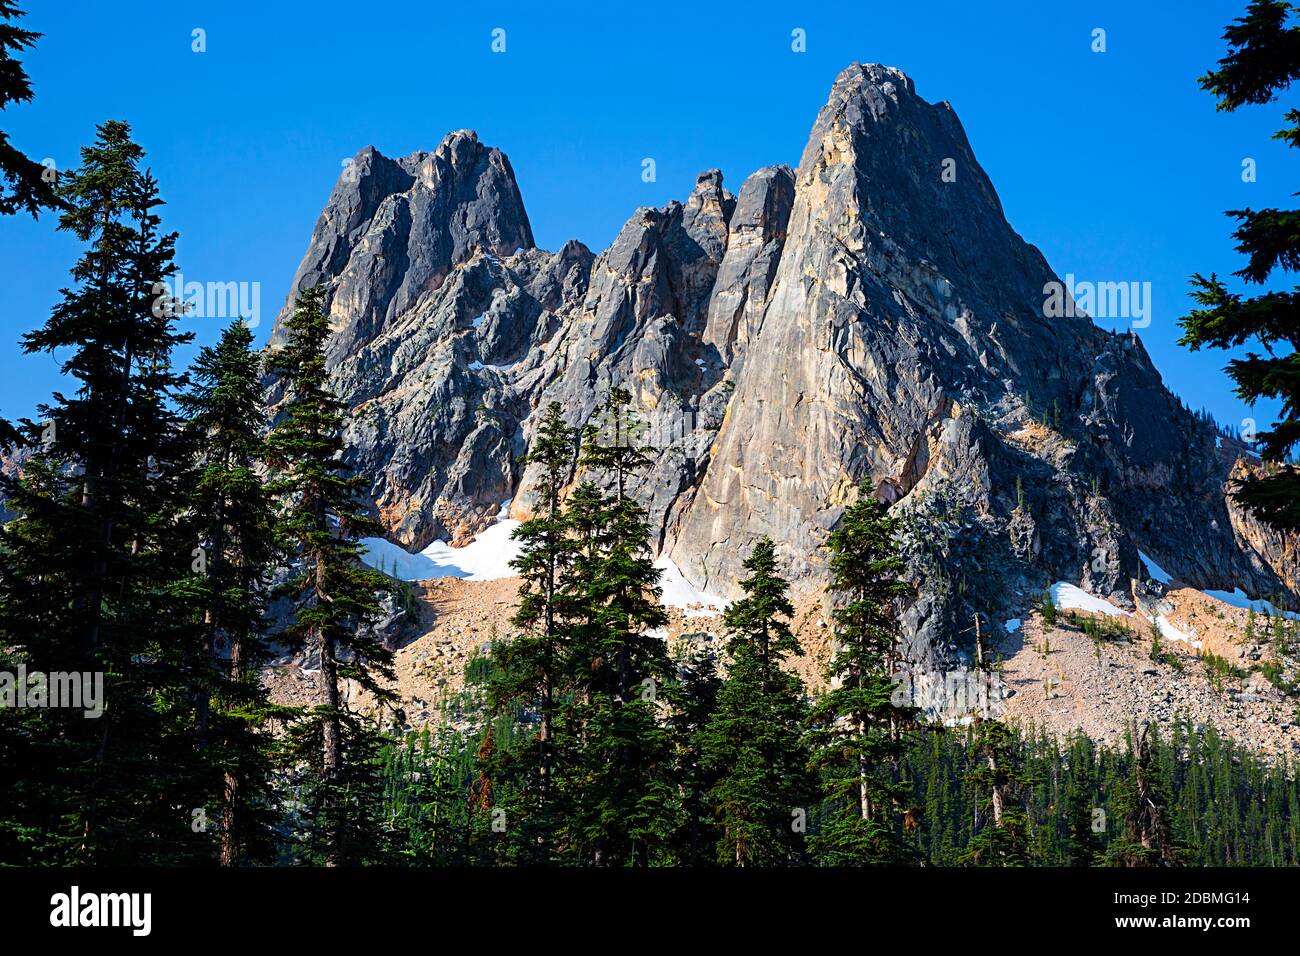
1225, 807
1221, 805
153, 518
760, 773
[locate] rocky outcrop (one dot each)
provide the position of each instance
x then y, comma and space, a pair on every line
755, 240
869, 315
394, 229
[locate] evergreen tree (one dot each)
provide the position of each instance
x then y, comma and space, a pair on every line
528, 671
28, 186
753, 741
333, 592
694, 699
1083, 844
1263, 58
1001, 837
1147, 838
94, 563
620, 661
857, 726
233, 520
938, 794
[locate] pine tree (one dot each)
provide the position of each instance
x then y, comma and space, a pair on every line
753, 741
28, 186
1147, 838
1263, 58
1083, 842
857, 726
1001, 837
938, 799
619, 660
528, 671
234, 523
95, 562
694, 700
333, 592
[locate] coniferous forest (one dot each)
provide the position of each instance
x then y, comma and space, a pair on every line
174, 526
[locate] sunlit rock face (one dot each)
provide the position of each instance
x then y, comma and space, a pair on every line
869, 315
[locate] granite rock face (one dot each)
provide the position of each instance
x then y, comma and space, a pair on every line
870, 314
395, 229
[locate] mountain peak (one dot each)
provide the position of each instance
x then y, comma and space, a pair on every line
394, 229
876, 74
870, 315
461, 148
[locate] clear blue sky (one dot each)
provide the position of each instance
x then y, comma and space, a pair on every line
1116, 165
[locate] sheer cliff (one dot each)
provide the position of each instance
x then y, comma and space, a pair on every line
868, 314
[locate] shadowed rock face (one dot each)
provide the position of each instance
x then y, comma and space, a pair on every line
862, 316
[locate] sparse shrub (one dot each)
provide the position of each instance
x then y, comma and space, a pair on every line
1220, 670
1047, 607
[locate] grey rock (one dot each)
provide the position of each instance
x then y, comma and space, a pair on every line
861, 317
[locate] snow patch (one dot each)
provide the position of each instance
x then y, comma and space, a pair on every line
1157, 573
680, 593
1171, 633
1237, 598
1013, 625
477, 366
486, 558
1068, 597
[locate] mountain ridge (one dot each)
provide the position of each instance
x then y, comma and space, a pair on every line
859, 316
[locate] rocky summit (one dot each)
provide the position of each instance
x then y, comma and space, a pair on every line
871, 314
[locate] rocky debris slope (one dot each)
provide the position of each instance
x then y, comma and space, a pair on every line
862, 316
457, 621
1060, 681
1056, 680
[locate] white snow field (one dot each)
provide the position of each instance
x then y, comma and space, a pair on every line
679, 593
486, 558
1068, 597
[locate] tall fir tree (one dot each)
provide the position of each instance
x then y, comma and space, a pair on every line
1083, 820
233, 521
1146, 838
1263, 58
626, 812
754, 741
693, 698
527, 673
857, 726
1001, 835
28, 186
334, 594
94, 563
